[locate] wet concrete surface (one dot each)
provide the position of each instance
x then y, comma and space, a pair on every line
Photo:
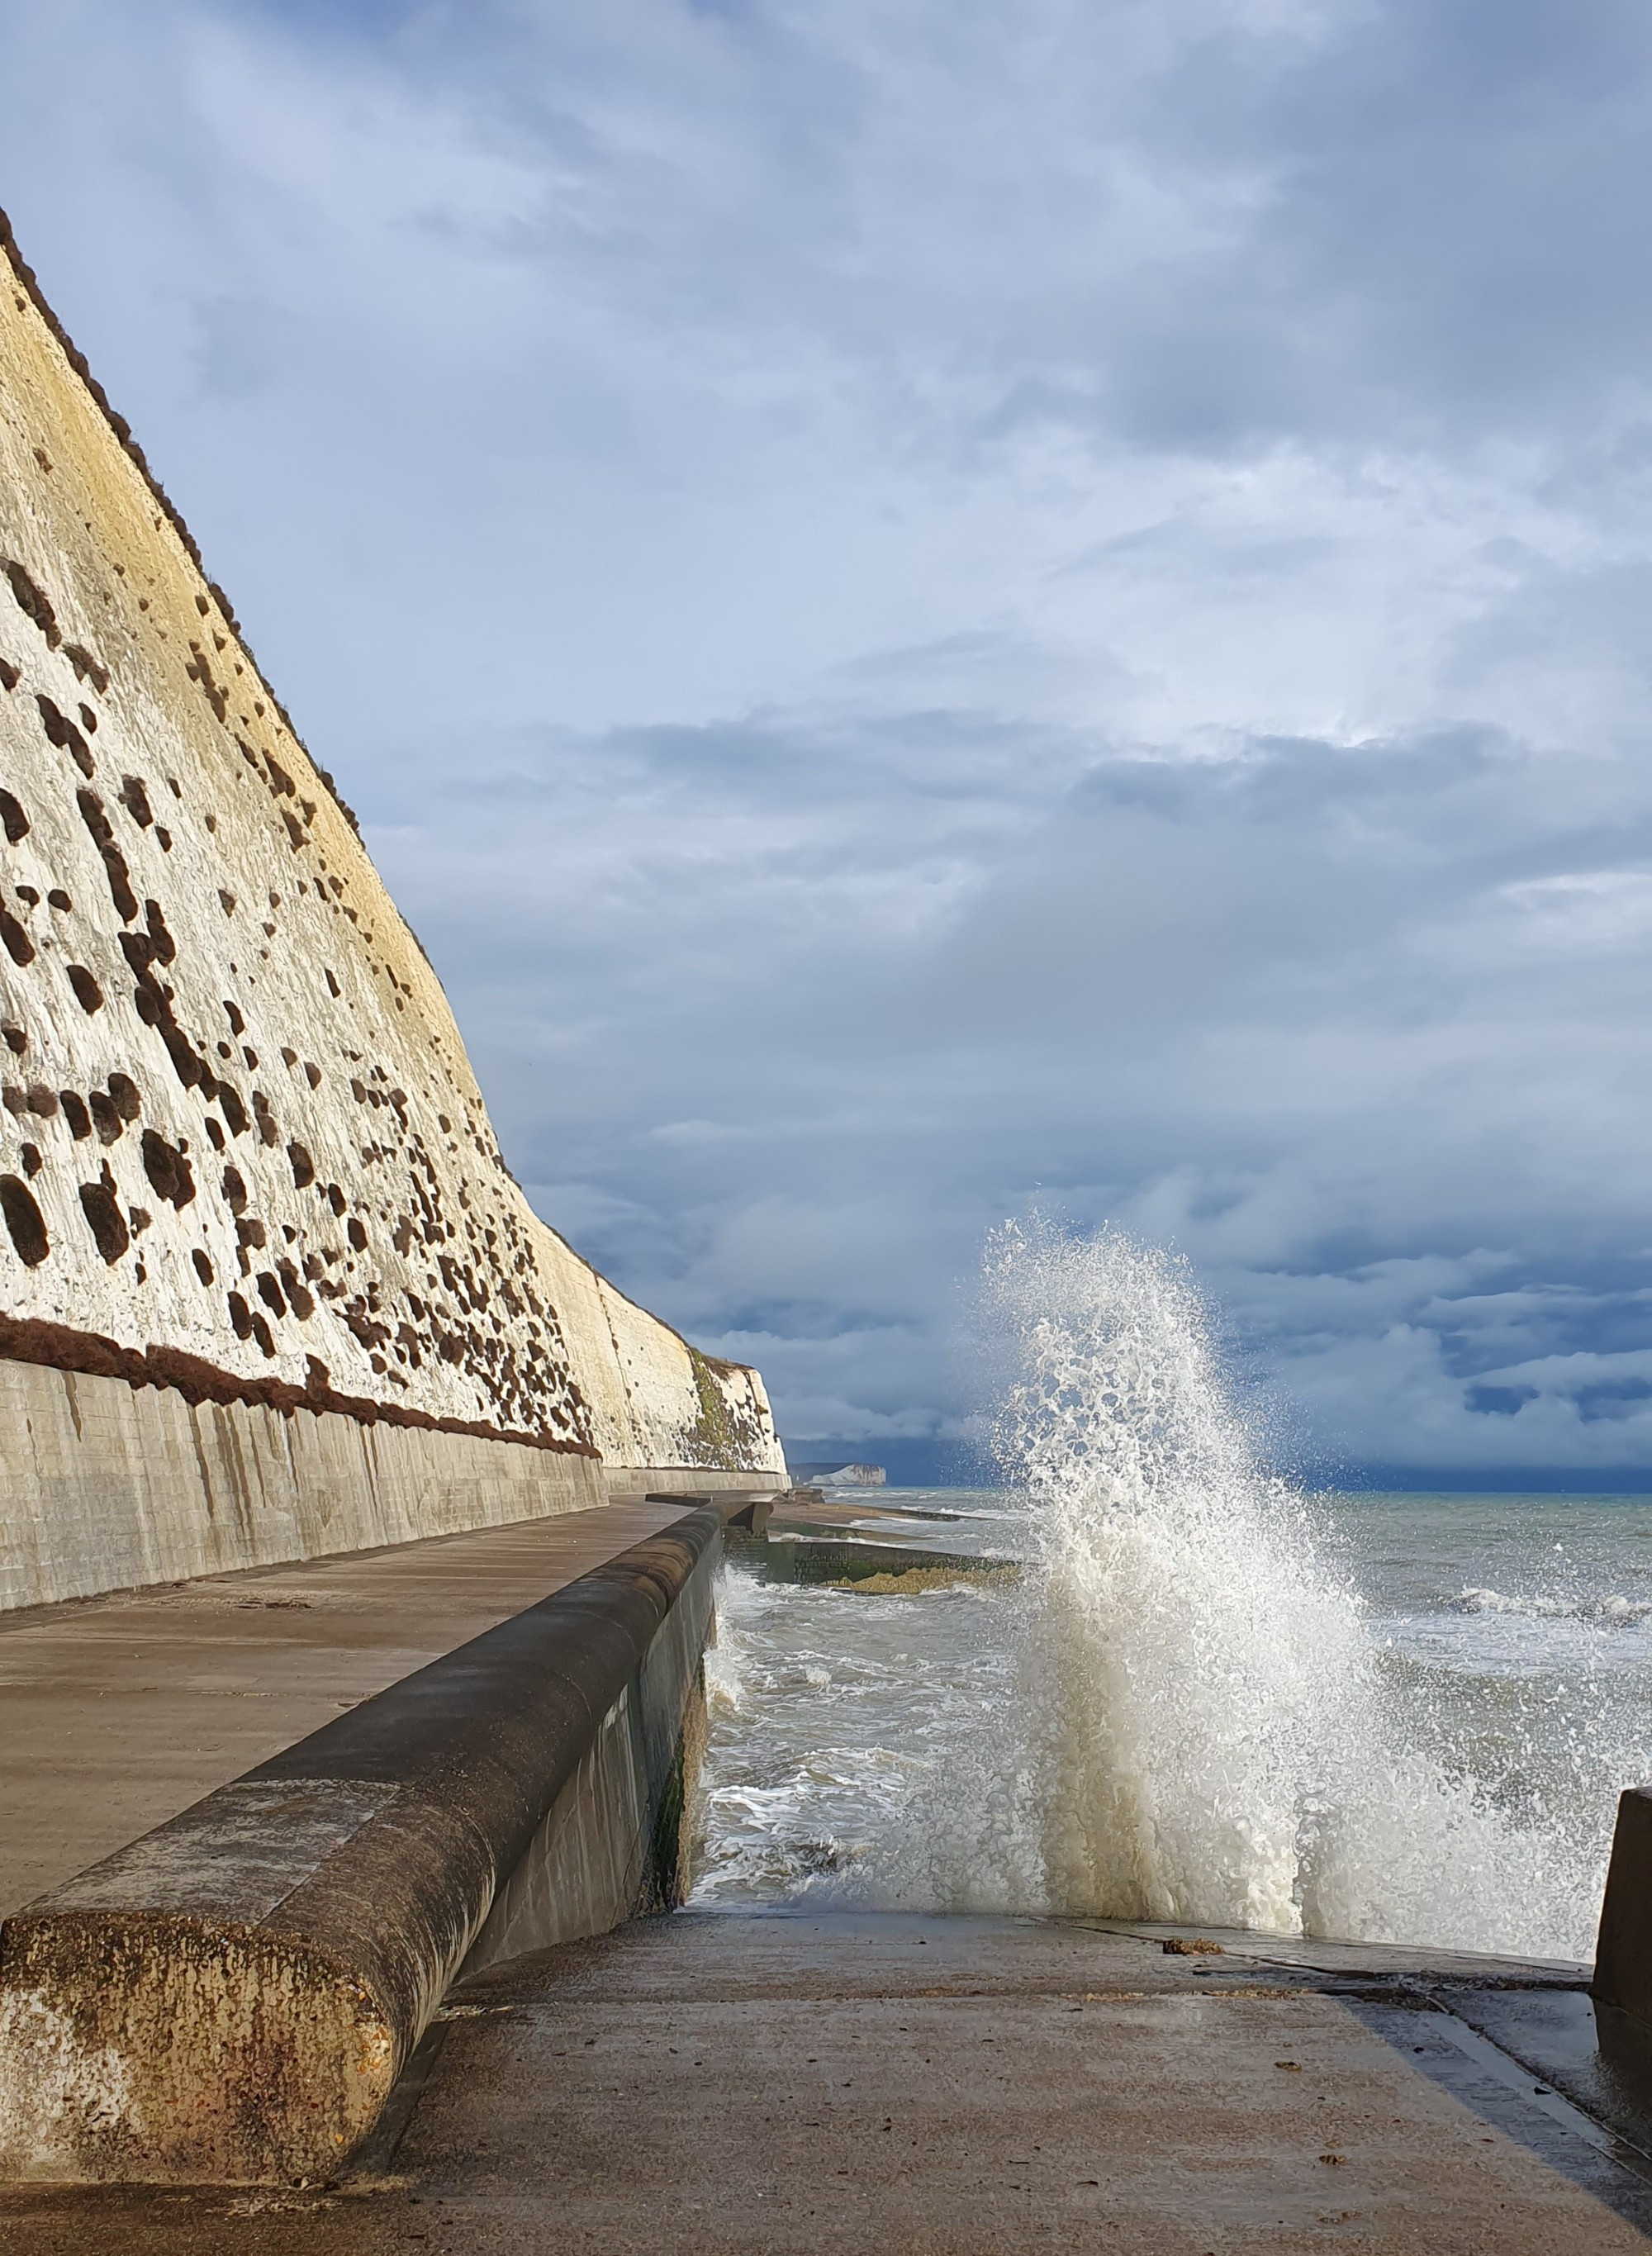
116, 1713
776, 2083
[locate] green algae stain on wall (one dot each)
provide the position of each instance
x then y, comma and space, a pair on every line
725, 1432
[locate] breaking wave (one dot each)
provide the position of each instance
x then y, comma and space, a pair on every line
1206, 1727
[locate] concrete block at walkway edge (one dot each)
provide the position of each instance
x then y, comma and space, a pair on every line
230, 1999
1623, 1955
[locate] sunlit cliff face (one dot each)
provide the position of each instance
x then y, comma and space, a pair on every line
239, 1124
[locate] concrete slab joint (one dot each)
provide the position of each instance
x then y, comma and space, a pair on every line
230, 1999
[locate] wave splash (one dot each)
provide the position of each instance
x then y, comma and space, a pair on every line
1207, 1734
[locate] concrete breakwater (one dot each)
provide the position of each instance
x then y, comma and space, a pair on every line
232, 1998
817, 1560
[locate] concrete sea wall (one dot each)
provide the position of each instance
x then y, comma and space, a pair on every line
614, 1842
232, 1997
109, 1487
244, 1161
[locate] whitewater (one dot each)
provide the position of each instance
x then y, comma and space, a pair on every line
1210, 1698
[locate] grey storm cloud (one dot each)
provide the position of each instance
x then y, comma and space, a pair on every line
936, 608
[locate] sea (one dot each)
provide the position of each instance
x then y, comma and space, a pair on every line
1199, 1691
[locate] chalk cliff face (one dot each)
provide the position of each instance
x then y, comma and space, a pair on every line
242, 1153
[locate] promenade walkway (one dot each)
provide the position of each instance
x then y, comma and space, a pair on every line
118, 1712
716, 2084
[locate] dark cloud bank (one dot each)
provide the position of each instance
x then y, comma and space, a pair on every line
933, 610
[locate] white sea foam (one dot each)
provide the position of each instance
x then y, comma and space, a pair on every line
1613, 1612
802, 1784
1205, 1730
727, 1663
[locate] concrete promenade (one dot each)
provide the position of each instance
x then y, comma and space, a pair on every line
116, 1713
710, 2084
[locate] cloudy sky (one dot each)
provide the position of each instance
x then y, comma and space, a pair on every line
938, 605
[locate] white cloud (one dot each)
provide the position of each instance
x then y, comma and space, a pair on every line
929, 610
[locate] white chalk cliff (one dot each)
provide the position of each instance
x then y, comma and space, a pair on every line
242, 1155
